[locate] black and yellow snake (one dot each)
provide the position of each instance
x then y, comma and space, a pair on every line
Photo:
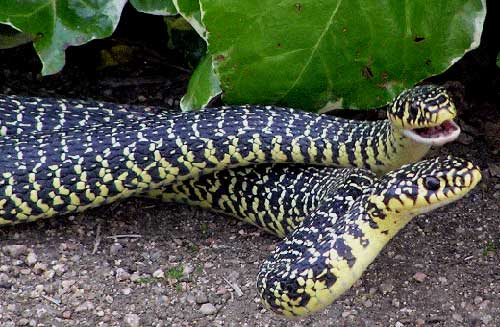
62, 156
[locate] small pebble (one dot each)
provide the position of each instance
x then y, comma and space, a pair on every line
443, 280
15, 250
49, 274
486, 319
419, 276
131, 320
159, 274
59, 269
109, 299
221, 290
85, 306
457, 317
201, 298
484, 304
115, 248
68, 283
39, 268
187, 269
4, 281
31, 258
208, 309
386, 288
121, 275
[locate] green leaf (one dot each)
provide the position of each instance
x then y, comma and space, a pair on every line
319, 55
203, 86
155, 7
60, 24
190, 10
498, 60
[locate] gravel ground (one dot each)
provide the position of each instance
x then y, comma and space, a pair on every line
144, 263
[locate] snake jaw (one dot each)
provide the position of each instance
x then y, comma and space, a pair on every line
441, 134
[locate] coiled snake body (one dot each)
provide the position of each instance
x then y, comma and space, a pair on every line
61, 156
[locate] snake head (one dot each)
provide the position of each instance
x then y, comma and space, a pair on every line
425, 114
421, 187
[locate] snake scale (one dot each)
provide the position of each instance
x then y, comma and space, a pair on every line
62, 156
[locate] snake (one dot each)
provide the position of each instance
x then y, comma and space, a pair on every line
62, 156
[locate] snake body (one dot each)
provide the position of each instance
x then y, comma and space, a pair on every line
62, 156
330, 249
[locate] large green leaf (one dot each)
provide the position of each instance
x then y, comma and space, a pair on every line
190, 10
155, 7
203, 86
59, 24
320, 54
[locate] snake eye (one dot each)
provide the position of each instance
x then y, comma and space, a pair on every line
431, 183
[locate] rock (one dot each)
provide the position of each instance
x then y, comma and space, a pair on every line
201, 298
478, 300
494, 169
159, 274
221, 290
109, 299
443, 280
385, 288
208, 309
15, 250
115, 248
49, 274
39, 268
4, 281
134, 277
59, 269
187, 269
131, 320
85, 306
346, 313
419, 276
31, 258
485, 304
121, 275
457, 317
486, 319
67, 283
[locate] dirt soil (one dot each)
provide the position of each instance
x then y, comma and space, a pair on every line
146, 263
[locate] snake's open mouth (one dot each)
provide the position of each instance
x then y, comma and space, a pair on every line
436, 135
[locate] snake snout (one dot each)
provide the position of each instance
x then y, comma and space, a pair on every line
425, 114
